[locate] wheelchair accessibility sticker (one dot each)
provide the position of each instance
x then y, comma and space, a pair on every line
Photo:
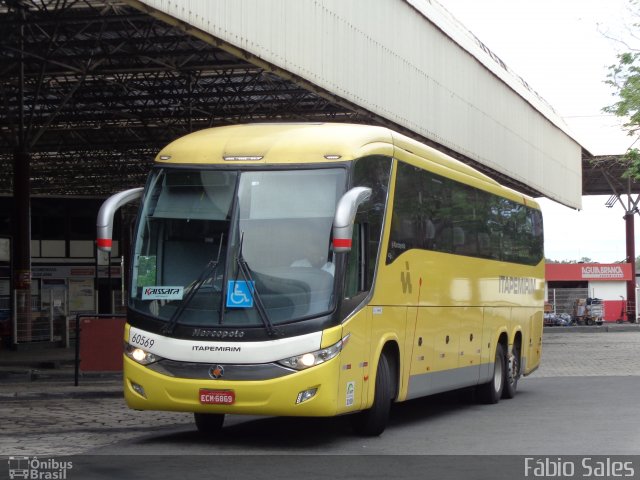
240, 294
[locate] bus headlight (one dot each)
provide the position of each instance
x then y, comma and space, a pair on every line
306, 360
139, 355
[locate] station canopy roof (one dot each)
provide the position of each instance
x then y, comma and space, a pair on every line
100, 87
606, 175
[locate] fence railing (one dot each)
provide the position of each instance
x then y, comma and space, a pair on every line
563, 300
47, 317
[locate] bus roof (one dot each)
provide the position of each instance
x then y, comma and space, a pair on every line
278, 143
299, 143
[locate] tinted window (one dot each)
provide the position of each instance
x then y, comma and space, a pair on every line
372, 172
431, 212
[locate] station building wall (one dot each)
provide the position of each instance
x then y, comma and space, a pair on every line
607, 282
63, 255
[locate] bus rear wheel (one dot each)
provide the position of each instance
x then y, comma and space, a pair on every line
372, 422
512, 373
209, 423
491, 391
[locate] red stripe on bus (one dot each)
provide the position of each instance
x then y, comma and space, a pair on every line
104, 242
342, 242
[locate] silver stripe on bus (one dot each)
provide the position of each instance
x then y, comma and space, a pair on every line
263, 371
224, 352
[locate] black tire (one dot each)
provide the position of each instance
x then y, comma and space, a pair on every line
209, 424
490, 392
512, 373
372, 422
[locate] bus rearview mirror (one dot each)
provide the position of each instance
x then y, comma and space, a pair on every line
108, 209
345, 216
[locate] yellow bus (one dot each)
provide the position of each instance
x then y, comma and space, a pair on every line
321, 270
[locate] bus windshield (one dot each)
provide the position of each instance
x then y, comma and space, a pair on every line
212, 246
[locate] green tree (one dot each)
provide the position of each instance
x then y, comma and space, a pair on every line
624, 78
582, 260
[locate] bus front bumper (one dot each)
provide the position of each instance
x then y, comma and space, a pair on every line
145, 389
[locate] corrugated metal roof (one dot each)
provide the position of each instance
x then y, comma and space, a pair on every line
453, 28
404, 61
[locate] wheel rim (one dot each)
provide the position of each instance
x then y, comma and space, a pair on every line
497, 375
513, 369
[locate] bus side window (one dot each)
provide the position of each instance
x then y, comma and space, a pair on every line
353, 280
373, 172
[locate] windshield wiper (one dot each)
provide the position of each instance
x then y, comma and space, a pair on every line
243, 268
208, 272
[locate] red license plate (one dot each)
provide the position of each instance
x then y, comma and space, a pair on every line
217, 397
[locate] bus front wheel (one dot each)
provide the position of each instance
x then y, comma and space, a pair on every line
491, 391
373, 421
209, 423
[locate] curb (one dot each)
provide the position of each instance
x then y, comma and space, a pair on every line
35, 376
32, 384
633, 327
67, 394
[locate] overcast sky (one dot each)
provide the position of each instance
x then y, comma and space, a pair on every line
561, 48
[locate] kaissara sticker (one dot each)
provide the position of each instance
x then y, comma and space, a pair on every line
162, 293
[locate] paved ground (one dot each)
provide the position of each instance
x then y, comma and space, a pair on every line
50, 427
570, 353
55, 418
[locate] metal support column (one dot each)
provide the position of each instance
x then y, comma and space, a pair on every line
22, 207
631, 258
22, 244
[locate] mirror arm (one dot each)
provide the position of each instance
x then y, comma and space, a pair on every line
345, 216
107, 211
